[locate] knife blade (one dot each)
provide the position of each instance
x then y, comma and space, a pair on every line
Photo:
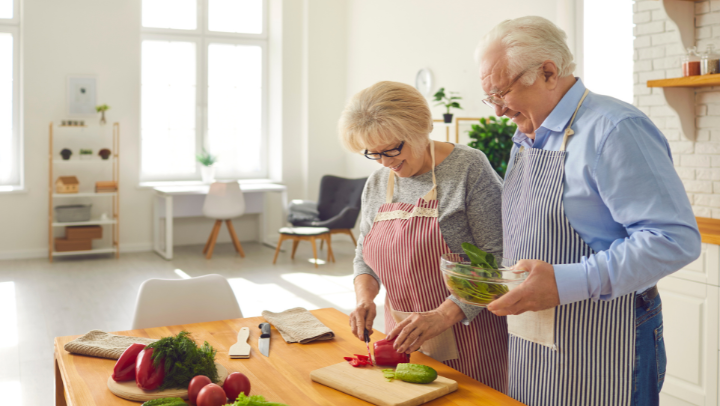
264, 340
367, 345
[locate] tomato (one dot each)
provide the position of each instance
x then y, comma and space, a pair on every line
196, 384
236, 383
211, 395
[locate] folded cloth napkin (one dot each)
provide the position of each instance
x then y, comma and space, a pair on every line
298, 326
101, 344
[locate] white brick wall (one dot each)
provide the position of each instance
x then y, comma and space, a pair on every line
658, 54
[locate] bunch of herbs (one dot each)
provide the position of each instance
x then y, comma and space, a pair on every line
183, 360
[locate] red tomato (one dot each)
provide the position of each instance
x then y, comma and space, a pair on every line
211, 395
236, 383
196, 384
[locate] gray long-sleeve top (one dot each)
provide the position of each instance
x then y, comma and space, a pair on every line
470, 208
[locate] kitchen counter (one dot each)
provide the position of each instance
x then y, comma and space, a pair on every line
282, 377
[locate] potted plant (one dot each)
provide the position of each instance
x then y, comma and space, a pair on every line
493, 137
104, 153
207, 161
65, 153
85, 154
102, 109
449, 101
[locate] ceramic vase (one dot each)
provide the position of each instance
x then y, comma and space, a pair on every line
208, 173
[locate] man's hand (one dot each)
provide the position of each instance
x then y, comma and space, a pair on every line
416, 329
362, 318
537, 292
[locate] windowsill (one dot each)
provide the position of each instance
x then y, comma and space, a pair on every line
6, 190
150, 185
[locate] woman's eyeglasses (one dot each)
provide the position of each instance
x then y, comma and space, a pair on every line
375, 156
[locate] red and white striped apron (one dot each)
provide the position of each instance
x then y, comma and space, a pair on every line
403, 248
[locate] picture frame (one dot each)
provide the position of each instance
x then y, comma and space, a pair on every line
81, 95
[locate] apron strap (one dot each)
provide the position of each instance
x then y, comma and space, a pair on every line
431, 195
568, 129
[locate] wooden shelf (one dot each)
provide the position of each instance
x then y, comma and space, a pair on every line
81, 161
85, 252
85, 223
709, 230
89, 194
690, 81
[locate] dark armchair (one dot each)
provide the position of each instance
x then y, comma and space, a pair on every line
338, 205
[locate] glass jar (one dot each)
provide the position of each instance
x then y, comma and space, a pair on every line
709, 61
691, 63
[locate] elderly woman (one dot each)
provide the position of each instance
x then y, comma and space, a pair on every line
426, 200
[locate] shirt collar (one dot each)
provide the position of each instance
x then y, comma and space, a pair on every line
558, 118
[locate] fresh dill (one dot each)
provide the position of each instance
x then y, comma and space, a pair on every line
183, 360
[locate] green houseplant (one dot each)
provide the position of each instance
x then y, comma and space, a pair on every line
85, 154
207, 170
102, 109
449, 101
493, 137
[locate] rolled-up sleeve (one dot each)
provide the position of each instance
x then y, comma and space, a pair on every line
636, 180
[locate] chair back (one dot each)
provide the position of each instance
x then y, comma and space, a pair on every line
170, 302
224, 201
338, 193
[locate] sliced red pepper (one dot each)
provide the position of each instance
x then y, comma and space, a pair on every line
125, 367
148, 377
348, 358
362, 357
355, 362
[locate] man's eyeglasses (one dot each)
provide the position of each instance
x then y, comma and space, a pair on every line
375, 156
497, 99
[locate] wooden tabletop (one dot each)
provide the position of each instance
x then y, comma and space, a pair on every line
709, 230
283, 377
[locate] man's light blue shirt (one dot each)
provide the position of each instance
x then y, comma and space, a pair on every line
622, 195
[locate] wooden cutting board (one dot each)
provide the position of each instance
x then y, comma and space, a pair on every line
129, 390
369, 384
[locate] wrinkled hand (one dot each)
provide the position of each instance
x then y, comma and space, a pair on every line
538, 292
362, 318
416, 329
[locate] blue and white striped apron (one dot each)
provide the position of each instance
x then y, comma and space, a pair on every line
591, 356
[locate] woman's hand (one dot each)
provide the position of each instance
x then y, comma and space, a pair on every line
362, 318
419, 327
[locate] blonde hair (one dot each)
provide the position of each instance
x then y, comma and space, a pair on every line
386, 113
527, 42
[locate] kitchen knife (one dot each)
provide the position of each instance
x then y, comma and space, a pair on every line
367, 345
264, 341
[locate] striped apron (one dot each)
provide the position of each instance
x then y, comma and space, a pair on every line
576, 354
404, 248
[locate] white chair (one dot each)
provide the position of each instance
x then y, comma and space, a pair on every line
170, 302
224, 201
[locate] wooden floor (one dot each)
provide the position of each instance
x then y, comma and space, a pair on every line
74, 296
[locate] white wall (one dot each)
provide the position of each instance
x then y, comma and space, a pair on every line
392, 40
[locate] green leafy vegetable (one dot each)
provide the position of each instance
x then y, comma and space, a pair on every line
480, 293
255, 400
165, 402
183, 360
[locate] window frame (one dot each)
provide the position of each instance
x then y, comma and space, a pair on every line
203, 37
12, 26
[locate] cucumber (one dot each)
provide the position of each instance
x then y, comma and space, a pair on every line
165, 402
415, 373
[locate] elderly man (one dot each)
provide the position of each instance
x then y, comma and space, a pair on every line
594, 210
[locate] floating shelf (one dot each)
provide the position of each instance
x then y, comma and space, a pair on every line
690, 81
85, 252
89, 194
84, 223
81, 161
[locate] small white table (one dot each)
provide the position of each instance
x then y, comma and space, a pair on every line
187, 201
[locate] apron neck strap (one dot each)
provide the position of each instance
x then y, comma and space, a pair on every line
568, 129
431, 195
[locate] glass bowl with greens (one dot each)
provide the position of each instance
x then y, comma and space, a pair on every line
476, 278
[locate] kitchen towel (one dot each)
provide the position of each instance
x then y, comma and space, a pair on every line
105, 345
298, 326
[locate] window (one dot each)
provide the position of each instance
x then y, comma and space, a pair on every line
203, 86
10, 142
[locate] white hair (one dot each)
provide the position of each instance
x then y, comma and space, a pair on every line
527, 42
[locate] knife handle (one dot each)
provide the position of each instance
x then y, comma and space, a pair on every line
265, 330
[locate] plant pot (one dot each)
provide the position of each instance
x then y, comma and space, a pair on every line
65, 153
208, 174
447, 118
104, 153
85, 157
102, 119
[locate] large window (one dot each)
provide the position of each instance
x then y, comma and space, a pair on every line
204, 86
10, 142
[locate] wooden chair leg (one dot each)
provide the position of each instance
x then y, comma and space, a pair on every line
207, 244
295, 245
312, 241
235, 240
331, 255
277, 250
214, 239
322, 242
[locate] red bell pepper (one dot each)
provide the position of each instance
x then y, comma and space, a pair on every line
147, 376
125, 366
386, 355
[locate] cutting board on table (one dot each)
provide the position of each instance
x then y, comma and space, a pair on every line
369, 384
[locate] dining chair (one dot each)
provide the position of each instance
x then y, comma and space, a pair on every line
224, 201
170, 302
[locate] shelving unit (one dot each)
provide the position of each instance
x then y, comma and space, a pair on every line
115, 196
690, 81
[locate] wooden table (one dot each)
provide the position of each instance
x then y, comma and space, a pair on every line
283, 377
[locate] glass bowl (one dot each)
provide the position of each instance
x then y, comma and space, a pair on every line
475, 285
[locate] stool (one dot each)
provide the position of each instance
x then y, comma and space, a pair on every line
297, 234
